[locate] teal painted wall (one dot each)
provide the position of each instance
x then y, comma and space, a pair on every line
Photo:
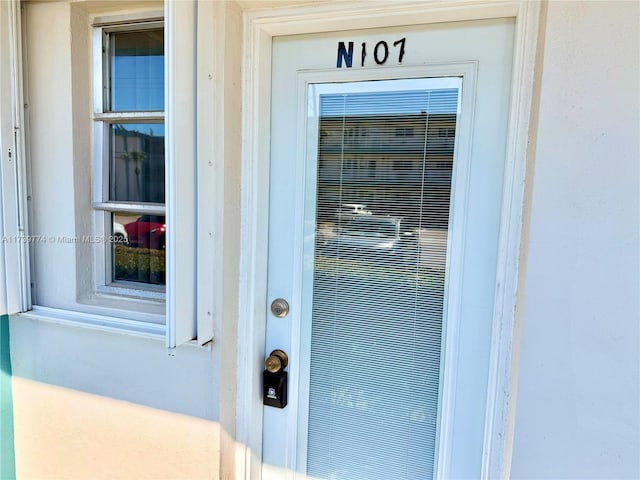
7, 453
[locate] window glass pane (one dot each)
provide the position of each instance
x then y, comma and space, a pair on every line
137, 70
137, 162
139, 248
383, 192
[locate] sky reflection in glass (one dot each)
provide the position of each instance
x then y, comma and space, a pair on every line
137, 71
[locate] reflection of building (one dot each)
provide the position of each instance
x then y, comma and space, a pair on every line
384, 162
138, 168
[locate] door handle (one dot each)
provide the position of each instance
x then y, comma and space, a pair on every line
276, 361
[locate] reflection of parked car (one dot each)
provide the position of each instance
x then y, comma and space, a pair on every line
148, 231
364, 234
120, 234
354, 209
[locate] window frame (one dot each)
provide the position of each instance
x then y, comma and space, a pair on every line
15, 274
103, 118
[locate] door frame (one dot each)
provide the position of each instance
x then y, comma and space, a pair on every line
259, 29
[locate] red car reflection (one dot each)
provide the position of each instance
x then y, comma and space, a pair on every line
148, 231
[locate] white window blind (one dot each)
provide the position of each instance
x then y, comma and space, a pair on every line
385, 159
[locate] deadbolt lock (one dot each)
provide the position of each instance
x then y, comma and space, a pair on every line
280, 307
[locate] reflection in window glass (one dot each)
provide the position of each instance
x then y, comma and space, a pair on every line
137, 162
382, 215
139, 248
137, 70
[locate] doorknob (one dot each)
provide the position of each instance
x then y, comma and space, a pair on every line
276, 361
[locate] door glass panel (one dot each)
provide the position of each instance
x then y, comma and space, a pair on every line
385, 154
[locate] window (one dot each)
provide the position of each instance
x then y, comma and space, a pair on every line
447, 132
129, 164
112, 162
404, 132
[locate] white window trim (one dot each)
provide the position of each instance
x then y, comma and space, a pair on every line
15, 291
181, 138
180, 208
260, 28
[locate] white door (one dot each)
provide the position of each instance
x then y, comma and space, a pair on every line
387, 160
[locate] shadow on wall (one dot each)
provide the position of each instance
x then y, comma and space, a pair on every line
68, 434
7, 456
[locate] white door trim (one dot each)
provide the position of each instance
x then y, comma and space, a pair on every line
259, 29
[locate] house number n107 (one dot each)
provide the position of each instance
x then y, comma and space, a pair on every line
381, 52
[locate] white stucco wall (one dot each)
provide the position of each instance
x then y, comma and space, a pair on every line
577, 412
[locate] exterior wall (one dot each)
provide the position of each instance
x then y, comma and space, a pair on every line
577, 402
90, 404
85, 436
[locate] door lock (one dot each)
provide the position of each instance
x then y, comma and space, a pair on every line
274, 379
280, 307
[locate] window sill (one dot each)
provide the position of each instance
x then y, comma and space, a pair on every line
101, 322
106, 323
124, 303
129, 291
